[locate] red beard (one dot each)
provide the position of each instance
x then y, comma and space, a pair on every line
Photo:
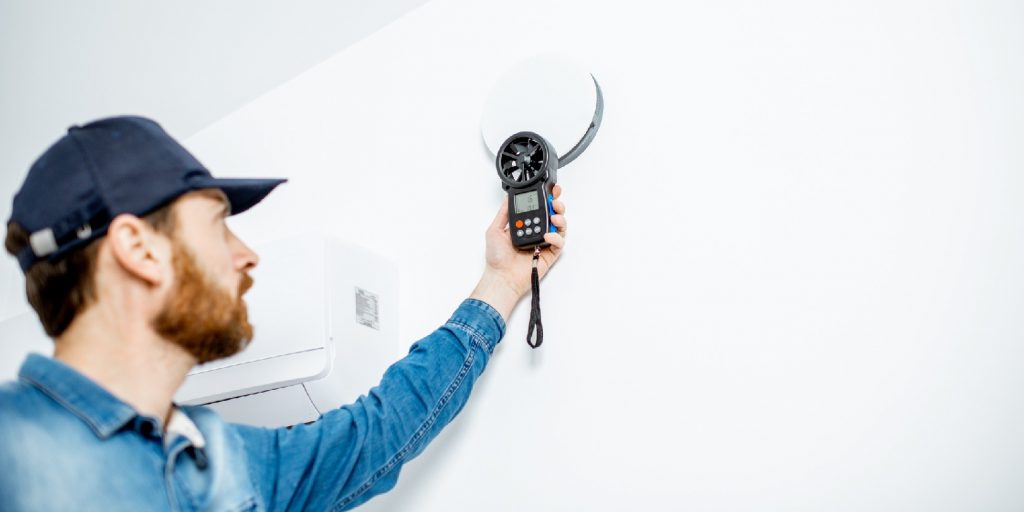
201, 317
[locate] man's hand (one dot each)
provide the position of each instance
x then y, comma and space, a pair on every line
507, 273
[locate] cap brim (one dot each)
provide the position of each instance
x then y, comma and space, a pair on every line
243, 193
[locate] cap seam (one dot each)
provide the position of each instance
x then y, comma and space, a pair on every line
90, 165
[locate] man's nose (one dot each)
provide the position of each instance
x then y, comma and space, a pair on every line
245, 258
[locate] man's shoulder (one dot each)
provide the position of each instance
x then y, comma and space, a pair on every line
16, 395
22, 405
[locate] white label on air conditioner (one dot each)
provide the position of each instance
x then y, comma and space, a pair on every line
367, 308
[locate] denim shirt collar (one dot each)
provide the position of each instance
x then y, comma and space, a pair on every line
99, 409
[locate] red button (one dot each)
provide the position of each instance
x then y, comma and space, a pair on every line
519, 224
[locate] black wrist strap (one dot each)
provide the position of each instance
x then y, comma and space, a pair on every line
532, 341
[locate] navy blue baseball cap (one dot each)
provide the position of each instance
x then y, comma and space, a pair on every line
111, 166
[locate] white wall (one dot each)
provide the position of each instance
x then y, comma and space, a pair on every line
793, 278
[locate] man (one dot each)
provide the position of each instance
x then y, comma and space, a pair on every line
133, 272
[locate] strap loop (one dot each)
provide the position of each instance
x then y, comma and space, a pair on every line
531, 340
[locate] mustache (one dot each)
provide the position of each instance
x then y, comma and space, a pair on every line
244, 284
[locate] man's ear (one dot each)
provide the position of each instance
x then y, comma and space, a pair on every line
138, 248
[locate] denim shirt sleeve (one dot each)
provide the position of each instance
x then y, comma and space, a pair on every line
356, 451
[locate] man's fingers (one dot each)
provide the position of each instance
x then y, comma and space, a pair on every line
559, 206
555, 240
556, 191
559, 222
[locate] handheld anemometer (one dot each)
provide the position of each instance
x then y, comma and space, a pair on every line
528, 169
541, 104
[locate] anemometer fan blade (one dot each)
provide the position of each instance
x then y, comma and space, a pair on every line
522, 159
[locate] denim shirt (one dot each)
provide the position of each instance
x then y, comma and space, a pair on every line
68, 444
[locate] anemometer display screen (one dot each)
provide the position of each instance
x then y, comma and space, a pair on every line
527, 202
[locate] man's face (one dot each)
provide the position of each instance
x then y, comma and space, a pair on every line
204, 312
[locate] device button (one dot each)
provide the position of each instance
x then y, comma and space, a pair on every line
519, 223
519, 233
536, 220
527, 222
529, 231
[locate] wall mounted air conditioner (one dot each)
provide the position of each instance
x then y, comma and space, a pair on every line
325, 315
